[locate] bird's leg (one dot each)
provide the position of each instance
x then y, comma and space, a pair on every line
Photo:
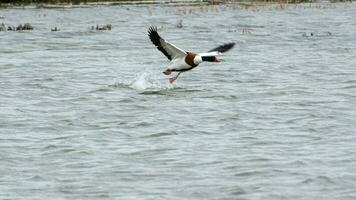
168, 71
171, 80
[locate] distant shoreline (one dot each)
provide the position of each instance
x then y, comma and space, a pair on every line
71, 3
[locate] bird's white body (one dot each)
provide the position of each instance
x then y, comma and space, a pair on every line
179, 64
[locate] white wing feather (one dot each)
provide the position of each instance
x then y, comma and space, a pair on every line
214, 53
172, 50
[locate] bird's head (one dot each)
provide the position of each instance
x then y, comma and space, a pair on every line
210, 59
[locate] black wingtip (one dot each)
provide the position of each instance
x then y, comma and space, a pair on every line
153, 35
156, 40
152, 29
229, 46
224, 48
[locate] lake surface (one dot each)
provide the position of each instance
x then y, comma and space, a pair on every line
88, 114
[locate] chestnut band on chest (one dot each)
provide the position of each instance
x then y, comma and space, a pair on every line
189, 59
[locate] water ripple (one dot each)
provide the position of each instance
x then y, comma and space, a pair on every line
88, 114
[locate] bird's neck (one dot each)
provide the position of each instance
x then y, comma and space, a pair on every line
197, 60
209, 58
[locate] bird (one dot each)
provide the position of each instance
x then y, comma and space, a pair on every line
180, 60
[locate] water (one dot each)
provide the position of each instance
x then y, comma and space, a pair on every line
89, 115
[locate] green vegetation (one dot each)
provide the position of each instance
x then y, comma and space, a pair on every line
24, 2
77, 2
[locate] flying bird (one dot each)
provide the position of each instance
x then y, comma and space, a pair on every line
180, 60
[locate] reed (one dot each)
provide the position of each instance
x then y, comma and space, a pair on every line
248, 4
76, 2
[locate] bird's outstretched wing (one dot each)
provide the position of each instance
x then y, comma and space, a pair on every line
223, 48
168, 49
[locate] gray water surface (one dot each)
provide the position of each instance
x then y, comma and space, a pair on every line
89, 115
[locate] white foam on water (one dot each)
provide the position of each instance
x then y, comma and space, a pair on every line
150, 81
147, 81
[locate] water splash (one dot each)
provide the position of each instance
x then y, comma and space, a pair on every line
148, 82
